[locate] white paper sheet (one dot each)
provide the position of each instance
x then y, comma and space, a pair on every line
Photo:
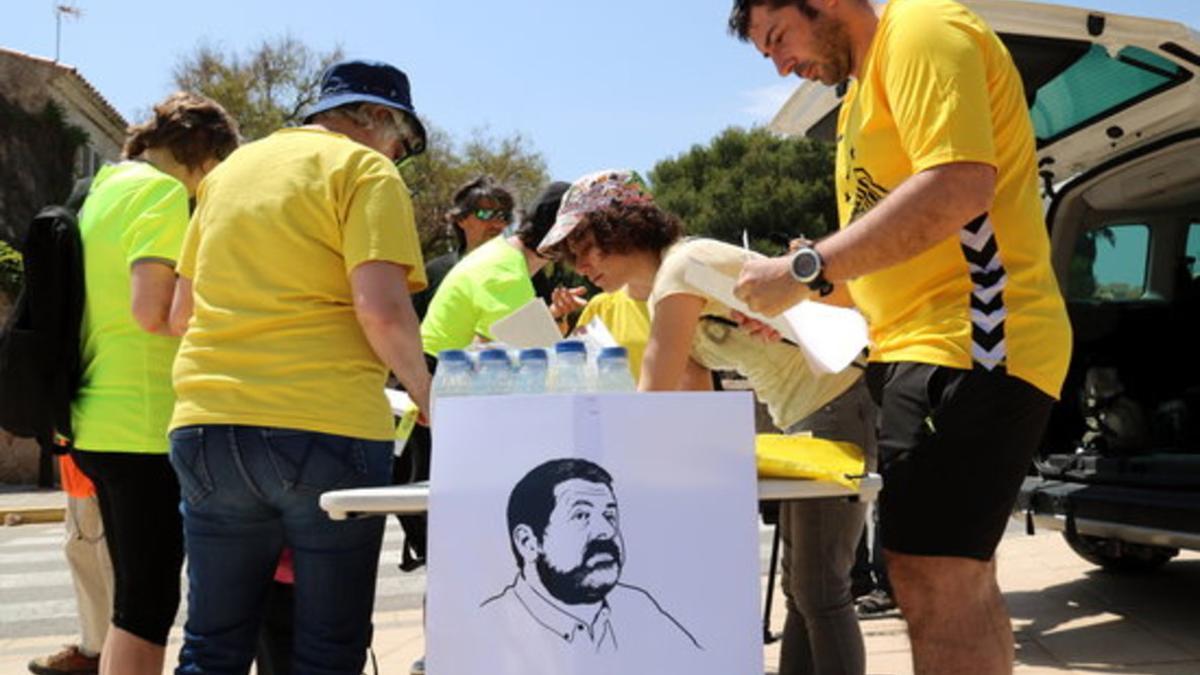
529, 326
595, 335
831, 337
681, 509
399, 400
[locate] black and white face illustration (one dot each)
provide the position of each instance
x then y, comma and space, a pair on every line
579, 554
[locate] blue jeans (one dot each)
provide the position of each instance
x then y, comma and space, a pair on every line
247, 493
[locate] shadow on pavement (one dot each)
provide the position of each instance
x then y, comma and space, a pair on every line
1114, 623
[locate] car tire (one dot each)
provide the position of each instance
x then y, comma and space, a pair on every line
1114, 555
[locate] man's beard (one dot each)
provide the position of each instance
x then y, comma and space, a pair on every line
833, 44
571, 586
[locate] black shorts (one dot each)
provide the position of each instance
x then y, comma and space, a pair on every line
954, 447
138, 495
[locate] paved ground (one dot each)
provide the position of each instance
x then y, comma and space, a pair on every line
1068, 618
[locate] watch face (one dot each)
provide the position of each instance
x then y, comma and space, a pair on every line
805, 265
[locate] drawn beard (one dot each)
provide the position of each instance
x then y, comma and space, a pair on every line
572, 586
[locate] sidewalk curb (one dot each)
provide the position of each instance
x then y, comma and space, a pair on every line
29, 515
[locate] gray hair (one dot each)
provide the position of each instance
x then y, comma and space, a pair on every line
363, 115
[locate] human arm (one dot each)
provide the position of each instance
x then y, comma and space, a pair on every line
181, 306
924, 210
151, 285
384, 310
666, 360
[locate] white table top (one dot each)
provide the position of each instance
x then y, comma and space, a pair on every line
414, 498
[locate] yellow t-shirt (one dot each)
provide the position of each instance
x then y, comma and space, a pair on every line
627, 319
273, 340
777, 371
938, 86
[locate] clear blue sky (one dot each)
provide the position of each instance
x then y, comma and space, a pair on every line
591, 84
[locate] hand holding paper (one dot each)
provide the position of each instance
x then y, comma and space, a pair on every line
766, 286
831, 337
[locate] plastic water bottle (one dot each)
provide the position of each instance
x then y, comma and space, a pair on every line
454, 374
570, 368
612, 370
531, 378
494, 375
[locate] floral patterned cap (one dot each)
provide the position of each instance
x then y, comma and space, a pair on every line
592, 193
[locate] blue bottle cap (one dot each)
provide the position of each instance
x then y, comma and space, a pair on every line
614, 353
453, 355
570, 347
537, 354
493, 355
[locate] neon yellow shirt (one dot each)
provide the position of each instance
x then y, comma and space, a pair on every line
938, 86
487, 285
273, 339
133, 212
627, 319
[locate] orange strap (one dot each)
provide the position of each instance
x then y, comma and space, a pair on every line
74, 482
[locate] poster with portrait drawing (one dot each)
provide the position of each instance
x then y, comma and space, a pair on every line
589, 534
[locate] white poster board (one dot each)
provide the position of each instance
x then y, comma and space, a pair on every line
656, 571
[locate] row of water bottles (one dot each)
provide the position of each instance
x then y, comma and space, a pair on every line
495, 371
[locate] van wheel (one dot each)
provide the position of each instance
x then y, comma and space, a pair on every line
1114, 555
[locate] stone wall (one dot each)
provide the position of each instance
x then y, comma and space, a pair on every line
54, 128
18, 456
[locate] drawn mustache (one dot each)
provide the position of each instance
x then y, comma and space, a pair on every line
598, 546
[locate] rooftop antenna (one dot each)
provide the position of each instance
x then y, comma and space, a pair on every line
61, 10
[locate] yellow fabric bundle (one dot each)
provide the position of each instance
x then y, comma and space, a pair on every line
782, 456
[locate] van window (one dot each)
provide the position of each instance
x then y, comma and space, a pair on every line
1193, 249
1097, 84
1110, 263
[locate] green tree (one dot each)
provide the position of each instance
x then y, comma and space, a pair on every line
435, 175
274, 83
771, 186
268, 87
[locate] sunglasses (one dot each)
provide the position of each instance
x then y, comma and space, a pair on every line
492, 214
411, 140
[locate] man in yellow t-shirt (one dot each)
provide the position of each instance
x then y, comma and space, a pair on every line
944, 249
296, 272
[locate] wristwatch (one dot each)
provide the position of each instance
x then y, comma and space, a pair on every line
809, 269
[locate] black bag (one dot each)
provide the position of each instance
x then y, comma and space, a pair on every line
40, 363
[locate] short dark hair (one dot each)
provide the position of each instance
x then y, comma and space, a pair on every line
541, 216
532, 499
194, 128
468, 197
624, 228
739, 16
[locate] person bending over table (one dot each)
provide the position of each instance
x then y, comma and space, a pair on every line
610, 229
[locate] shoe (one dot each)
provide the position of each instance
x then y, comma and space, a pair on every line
418, 667
876, 603
68, 661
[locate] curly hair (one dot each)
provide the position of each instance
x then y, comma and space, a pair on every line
625, 228
193, 127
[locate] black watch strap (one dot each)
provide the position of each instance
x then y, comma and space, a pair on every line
821, 286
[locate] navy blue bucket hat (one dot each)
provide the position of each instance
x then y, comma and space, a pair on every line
367, 82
